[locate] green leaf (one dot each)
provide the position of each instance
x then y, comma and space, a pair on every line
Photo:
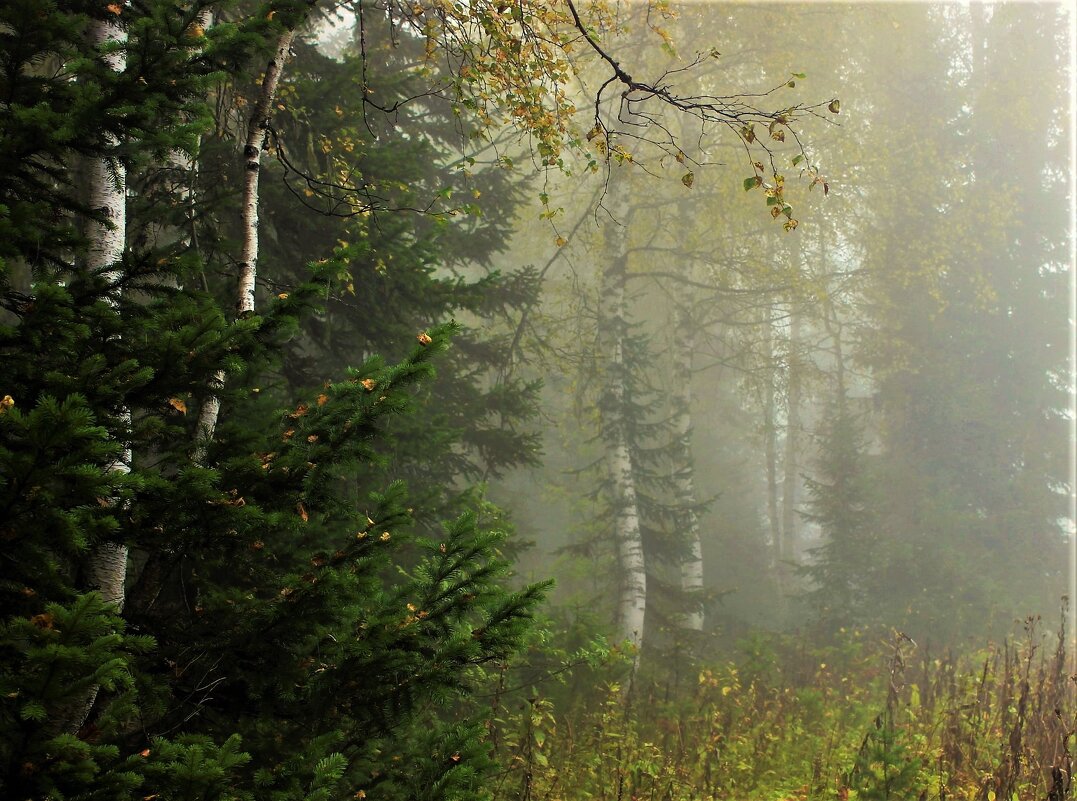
834, 106
800, 75
752, 183
797, 159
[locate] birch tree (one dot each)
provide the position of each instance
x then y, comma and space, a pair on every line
684, 342
106, 195
613, 328
792, 448
254, 143
106, 179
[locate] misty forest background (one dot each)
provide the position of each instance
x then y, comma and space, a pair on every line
331, 332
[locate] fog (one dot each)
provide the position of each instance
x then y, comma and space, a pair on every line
877, 402
537, 400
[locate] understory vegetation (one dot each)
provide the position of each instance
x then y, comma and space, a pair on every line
873, 716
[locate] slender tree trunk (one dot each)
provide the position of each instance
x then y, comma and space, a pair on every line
770, 448
790, 463
107, 179
106, 568
182, 171
257, 131
632, 602
179, 183
684, 339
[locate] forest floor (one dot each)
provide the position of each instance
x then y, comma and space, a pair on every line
871, 718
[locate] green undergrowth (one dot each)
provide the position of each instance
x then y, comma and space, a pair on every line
874, 717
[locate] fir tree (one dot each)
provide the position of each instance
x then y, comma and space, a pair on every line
285, 633
843, 571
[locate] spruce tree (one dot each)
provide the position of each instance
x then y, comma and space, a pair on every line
285, 633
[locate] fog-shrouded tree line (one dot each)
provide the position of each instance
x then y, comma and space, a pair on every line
331, 332
871, 394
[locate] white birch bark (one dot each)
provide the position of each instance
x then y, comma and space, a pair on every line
257, 130
106, 567
107, 180
632, 601
770, 449
790, 551
684, 337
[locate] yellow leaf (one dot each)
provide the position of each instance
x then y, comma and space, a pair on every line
299, 507
323, 399
43, 621
114, 8
178, 405
561, 241
6, 403
424, 338
370, 383
283, 296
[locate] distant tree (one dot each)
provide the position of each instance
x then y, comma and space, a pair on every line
965, 331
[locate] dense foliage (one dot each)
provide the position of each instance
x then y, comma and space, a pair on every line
284, 631
872, 716
282, 321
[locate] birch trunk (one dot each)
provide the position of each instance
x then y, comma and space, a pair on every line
181, 174
770, 448
106, 178
790, 466
257, 130
632, 601
684, 339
